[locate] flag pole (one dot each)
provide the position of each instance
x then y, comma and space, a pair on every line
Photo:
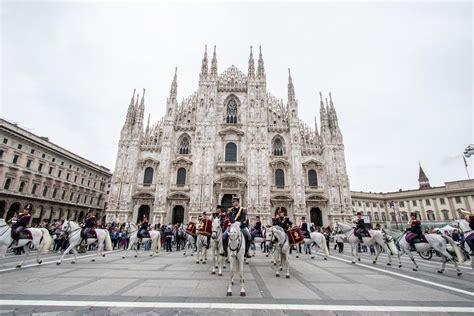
465, 166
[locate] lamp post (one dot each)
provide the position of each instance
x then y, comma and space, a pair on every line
392, 206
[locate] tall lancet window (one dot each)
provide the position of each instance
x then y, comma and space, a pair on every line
232, 111
184, 146
278, 147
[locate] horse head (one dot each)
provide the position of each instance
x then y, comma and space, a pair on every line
216, 228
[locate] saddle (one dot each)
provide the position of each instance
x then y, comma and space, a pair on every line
25, 234
89, 234
143, 234
415, 239
362, 233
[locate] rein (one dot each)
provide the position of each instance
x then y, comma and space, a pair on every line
239, 245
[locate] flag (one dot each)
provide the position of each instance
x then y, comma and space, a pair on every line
465, 162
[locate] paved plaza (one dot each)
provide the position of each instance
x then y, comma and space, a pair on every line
173, 284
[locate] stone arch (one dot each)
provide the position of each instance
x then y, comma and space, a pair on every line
316, 216
14, 208
278, 146
232, 105
184, 144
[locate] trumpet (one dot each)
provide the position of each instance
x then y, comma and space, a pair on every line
463, 212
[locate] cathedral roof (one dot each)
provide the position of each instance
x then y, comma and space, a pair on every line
232, 79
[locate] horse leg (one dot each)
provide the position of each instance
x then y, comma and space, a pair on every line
242, 281
412, 259
98, 251
353, 250
231, 281
287, 261
204, 261
38, 254
27, 252
377, 254
219, 262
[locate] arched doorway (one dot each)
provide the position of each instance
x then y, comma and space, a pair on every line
14, 208
3, 205
226, 201
316, 217
81, 217
281, 208
178, 214
143, 210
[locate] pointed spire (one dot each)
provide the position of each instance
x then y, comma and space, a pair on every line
261, 67
291, 88
174, 85
148, 124
316, 132
422, 178
251, 74
214, 63
204, 67
131, 109
321, 103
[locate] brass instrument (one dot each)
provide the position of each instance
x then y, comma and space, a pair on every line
463, 212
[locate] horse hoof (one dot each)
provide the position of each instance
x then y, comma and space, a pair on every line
459, 273
18, 265
287, 276
246, 262
103, 255
439, 271
213, 272
184, 254
358, 259
135, 256
216, 267
58, 263
325, 258
204, 262
266, 255
223, 267
40, 261
374, 262
297, 256
312, 257
197, 262
281, 269
192, 255
229, 294
73, 262
151, 255
242, 294
389, 264
274, 263
123, 257
232, 282
219, 274
399, 265
93, 260
415, 269
277, 275
353, 262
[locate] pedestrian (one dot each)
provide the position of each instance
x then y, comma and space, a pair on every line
340, 242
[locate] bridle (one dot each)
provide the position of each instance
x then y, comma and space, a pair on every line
239, 244
68, 229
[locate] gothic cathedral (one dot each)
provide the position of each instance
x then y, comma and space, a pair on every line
230, 137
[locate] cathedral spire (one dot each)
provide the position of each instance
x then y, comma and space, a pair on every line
261, 67
291, 88
204, 66
251, 74
148, 125
214, 63
422, 178
174, 85
131, 110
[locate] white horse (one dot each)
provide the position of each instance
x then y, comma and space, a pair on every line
281, 245
376, 238
41, 241
463, 226
436, 242
216, 245
258, 241
236, 251
73, 230
201, 244
190, 244
318, 239
155, 237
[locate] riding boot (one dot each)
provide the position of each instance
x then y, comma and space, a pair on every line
225, 242
208, 242
360, 238
14, 243
412, 246
470, 243
247, 247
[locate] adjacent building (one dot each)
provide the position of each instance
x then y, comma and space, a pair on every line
58, 183
230, 137
434, 206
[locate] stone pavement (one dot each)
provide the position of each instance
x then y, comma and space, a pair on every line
173, 284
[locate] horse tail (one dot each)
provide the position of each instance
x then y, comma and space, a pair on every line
108, 241
47, 240
457, 251
325, 245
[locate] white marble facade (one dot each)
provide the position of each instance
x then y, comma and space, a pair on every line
230, 137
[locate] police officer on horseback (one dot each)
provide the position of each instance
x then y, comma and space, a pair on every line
304, 228
257, 228
284, 222
415, 229
237, 213
89, 224
360, 229
143, 231
21, 223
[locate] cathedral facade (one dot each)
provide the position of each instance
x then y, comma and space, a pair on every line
230, 138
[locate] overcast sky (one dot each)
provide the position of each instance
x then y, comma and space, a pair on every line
400, 74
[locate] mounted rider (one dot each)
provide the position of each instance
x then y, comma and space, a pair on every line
202, 221
143, 230
21, 223
237, 213
304, 228
470, 237
88, 226
257, 228
360, 230
414, 229
284, 222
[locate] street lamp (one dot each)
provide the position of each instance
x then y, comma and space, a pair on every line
392, 206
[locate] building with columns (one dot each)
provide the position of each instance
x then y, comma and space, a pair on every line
58, 183
230, 137
434, 206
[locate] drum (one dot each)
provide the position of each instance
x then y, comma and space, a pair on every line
205, 228
191, 229
295, 236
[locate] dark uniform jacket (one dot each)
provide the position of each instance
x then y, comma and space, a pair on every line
233, 215
360, 224
90, 222
23, 221
471, 222
415, 227
285, 223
